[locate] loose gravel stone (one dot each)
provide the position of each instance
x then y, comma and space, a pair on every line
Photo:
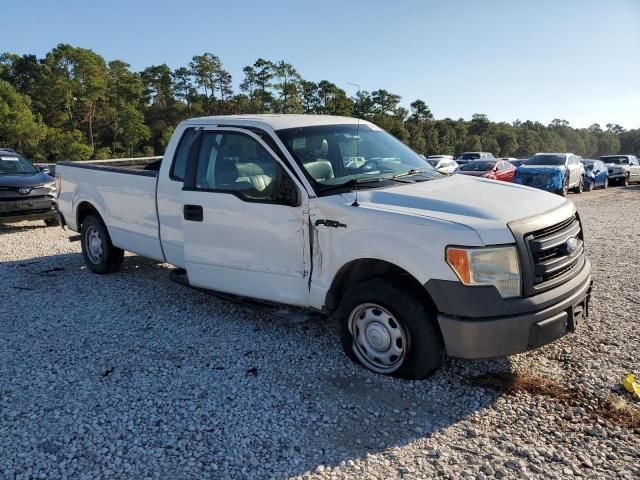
132, 376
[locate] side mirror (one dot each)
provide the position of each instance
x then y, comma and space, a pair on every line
288, 193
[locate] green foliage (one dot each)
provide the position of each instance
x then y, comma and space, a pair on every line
73, 105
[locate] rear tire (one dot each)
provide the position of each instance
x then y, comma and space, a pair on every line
389, 330
99, 254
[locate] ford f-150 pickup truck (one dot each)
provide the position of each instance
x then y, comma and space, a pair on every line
334, 214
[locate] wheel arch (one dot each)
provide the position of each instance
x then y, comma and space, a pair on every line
356, 271
83, 210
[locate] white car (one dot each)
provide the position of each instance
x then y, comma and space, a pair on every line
443, 163
413, 264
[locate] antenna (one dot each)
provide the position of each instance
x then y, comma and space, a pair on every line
355, 202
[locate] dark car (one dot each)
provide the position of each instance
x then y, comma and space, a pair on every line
494, 169
596, 174
26, 193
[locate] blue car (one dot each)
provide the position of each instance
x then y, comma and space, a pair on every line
553, 172
596, 174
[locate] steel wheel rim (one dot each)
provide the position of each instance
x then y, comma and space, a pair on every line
379, 339
93, 245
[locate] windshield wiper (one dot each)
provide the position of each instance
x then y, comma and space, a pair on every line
413, 171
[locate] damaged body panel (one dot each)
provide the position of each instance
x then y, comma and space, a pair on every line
545, 178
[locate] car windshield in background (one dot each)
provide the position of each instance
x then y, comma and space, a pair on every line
615, 160
554, 160
433, 163
479, 166
336, 155
12, 164
588, 166
469, 156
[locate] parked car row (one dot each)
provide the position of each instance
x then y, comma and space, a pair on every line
554, 172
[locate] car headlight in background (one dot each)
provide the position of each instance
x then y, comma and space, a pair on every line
497, 266
58, 184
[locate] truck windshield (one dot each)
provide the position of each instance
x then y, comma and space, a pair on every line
469, 156
338, 155
477, 166
12, 164
553, 160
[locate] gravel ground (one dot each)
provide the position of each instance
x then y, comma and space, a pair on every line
133, 376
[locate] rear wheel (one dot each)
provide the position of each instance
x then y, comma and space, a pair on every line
99, 254
389, 330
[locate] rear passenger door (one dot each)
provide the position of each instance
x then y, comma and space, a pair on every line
244, 219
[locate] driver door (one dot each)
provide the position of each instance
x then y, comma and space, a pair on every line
244, 219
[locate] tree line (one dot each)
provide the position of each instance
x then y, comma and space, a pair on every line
72, 104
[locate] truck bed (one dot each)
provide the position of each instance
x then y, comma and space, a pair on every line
123, 192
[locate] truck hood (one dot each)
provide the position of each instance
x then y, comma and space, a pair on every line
484, 205
24, 179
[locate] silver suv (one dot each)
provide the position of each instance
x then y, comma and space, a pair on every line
623, 169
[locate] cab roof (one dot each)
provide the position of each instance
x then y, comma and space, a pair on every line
276, 121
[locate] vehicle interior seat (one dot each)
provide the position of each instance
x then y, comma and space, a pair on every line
320, 168
233, 171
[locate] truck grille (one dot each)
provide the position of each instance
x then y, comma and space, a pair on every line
557, 251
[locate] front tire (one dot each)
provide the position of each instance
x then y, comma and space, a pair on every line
590, 187
565, 187
580, 187
51, 222
389, 330
605, 185
99, 254
625, 180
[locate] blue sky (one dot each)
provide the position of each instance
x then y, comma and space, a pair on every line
536, 59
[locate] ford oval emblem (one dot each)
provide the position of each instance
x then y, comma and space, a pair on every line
24, 190
571, 245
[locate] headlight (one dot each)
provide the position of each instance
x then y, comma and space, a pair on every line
487, 266
58, 184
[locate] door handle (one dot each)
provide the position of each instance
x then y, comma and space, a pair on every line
193, 213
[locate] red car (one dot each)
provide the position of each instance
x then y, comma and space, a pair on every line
495, 169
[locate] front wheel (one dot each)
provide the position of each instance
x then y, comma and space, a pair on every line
590, 187
99, 254
580, 187
606, 184
389, 330
565, 187
625, 181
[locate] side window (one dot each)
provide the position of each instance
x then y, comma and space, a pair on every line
634, 161
236, 163
179, 164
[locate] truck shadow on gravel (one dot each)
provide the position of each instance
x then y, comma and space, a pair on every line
244, 390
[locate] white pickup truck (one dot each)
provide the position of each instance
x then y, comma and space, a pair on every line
336, 215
